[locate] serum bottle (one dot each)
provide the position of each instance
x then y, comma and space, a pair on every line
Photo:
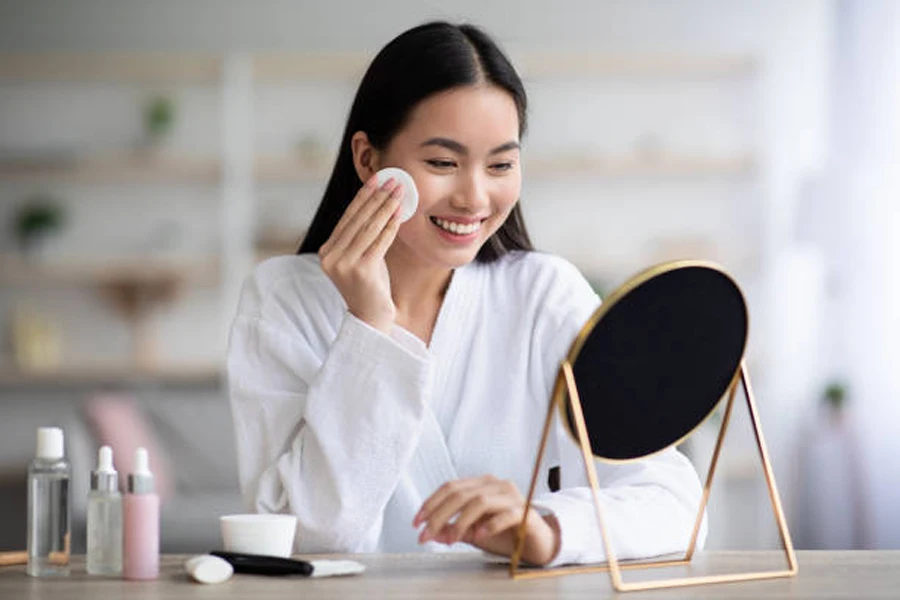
48, 507
141, 523
104, 518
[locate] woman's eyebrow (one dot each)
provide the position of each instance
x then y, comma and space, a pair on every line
455, 146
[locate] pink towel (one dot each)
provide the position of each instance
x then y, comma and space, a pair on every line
119, 423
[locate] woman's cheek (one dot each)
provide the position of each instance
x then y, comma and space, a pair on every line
507, 194
431, 189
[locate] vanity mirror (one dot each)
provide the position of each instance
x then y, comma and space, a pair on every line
647, 369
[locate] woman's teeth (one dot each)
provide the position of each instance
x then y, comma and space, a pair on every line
457, 228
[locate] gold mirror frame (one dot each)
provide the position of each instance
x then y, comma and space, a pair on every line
565, 389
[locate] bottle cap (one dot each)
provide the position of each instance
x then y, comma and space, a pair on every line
410, 200
141, 480
50, 443
104, 478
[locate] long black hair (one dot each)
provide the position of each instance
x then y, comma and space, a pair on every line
420, 62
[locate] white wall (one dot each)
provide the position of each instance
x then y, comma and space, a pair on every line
858, 193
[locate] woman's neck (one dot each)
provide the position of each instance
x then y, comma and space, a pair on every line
418, 293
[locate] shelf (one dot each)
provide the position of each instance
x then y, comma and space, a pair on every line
295, 67
632, 166
272, 67
586, 64
103, 67
287, 68
100, 374
273, 242
136, 272
123, 169
287, 169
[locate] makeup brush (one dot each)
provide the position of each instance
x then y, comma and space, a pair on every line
273, 565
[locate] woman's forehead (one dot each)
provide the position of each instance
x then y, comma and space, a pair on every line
482, 116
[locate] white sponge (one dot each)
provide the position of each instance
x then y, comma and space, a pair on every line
207, 568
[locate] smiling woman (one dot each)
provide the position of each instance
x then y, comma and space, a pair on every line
388, 382
423, 62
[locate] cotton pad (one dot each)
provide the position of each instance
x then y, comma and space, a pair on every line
206, 568
410, 200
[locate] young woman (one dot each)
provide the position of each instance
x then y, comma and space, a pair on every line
389, 384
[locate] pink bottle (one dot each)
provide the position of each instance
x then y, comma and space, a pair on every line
140, 523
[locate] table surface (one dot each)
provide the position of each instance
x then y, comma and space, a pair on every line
823, 574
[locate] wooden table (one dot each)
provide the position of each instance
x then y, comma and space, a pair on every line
857, 574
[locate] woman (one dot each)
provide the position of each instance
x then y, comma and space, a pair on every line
389, 384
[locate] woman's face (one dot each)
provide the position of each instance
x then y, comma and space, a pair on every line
462, 149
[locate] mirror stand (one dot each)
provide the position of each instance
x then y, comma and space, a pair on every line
565, 388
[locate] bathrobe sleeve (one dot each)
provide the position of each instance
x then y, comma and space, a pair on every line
649, 506
323, 433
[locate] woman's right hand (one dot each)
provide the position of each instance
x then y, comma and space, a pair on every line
353, 257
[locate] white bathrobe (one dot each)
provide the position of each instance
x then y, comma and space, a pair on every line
351, 430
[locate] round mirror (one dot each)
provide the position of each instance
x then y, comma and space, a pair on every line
656, 358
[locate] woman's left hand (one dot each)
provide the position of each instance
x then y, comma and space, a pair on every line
486, 512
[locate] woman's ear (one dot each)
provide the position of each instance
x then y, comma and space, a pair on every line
365, 156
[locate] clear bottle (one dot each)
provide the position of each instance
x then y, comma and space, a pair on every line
48, 507
104, 518
140, 523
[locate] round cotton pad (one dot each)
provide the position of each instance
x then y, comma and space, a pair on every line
207, 568
410, 200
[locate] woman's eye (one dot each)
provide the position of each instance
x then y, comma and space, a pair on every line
506, 166
441, 164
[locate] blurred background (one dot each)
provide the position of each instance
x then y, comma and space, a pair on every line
152, 152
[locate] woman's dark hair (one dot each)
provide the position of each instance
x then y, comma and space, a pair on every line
416, 64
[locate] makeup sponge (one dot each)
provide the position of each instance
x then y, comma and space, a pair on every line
208, 569
410, 200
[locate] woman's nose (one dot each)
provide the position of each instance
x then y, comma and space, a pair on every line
472, 195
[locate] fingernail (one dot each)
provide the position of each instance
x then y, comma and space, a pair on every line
389, 184
397, 191
372, 181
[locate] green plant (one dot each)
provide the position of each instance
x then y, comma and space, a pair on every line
836, 395
39, 214
159, 116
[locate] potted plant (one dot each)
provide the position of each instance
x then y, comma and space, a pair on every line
159, 118
836, 396
835, 399
37, 224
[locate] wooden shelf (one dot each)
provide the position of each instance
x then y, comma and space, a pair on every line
137, 272
272, 242
593, 64
294, 67
99, 374
632, 166
287, 68
104, 67
288, 169
123, 169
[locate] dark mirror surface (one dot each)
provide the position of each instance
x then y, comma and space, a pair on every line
659, 360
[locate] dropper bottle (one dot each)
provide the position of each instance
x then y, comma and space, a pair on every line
141, 522
104, 518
